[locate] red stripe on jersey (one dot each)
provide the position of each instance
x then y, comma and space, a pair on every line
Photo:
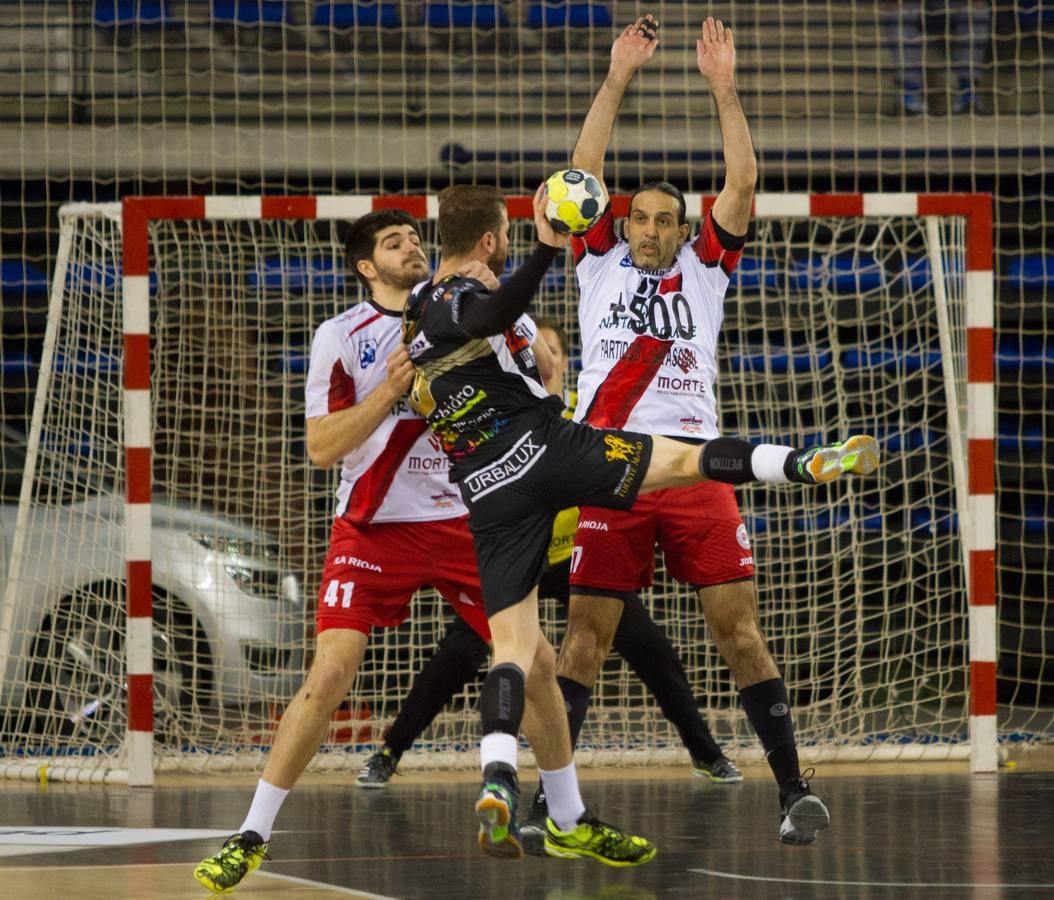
341, 388
709, 250
673, 283
626, 382
363, 324
372, 485
598, 240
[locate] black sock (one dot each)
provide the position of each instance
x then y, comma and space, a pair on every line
727, 460
501, 700
455, 663
649, 653
768, 708
576, 702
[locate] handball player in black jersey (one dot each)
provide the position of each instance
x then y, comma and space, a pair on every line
517, 463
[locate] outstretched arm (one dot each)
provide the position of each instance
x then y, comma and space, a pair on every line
716, 56
631, 50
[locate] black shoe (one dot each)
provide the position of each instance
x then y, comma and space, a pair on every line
532, 828
721, 771
499, 835
802, 813
378, 769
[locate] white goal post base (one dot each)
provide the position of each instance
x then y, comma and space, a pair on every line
190, 319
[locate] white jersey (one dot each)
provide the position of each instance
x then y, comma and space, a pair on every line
399, 473
649, 337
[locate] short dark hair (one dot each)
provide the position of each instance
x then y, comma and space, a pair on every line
466, 213
362, 235
557, 329
666, 188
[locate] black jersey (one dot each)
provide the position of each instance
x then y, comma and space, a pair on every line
472, 390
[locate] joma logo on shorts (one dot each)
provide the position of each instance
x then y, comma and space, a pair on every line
620, 450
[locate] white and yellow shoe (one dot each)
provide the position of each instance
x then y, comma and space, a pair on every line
819, 465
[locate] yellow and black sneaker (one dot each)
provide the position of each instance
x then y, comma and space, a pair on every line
819, 465
499, 835
596, 840
240, 855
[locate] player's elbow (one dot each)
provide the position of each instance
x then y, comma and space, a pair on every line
320, 458
743, 176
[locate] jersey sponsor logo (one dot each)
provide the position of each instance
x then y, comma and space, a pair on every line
620, 450
358, 563
367, 352
741, 537
673, 385
418, 346
459, 404
626, 262
691, 425
746, 561
592, 525
445, 500
516, 463
427, 464
683, 358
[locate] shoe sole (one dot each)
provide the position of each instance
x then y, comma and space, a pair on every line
495, 838
206, 882
859, 455
558, 852
807, 816
533, 840
716, 779
372, 785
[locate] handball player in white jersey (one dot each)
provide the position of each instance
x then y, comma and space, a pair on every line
652, 303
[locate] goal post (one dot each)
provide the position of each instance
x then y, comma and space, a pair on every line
171, 415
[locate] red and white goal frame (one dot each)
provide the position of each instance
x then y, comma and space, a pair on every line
977, 514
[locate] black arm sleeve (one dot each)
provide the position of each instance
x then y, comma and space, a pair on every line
483, 314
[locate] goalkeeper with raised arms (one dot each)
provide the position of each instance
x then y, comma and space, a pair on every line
650, 312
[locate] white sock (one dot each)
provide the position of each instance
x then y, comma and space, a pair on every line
767, 462
267, 801
497, 747
562, 796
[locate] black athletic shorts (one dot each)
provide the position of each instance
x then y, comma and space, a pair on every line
513, 498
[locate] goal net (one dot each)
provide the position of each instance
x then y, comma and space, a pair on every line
170, 531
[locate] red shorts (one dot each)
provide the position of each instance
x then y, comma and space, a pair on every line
699, 528
372, 571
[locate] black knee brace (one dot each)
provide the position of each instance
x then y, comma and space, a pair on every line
502, 699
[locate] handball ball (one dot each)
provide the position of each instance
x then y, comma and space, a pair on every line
576, 200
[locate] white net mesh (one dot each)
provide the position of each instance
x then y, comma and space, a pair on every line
121, 97
831, 327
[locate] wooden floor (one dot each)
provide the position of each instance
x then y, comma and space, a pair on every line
926, 830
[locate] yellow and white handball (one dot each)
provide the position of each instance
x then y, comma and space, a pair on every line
576, 200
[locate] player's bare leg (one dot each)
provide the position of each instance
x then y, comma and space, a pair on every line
734, 461
338, 655
731, 613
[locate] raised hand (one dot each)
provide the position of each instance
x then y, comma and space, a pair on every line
546, 233
715, 52
636, 45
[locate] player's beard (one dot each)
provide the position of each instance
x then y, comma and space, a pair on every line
496, 261
405, 276
661, 257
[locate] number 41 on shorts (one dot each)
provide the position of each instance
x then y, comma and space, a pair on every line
344, 588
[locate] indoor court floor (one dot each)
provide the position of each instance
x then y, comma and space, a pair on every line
925, 830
